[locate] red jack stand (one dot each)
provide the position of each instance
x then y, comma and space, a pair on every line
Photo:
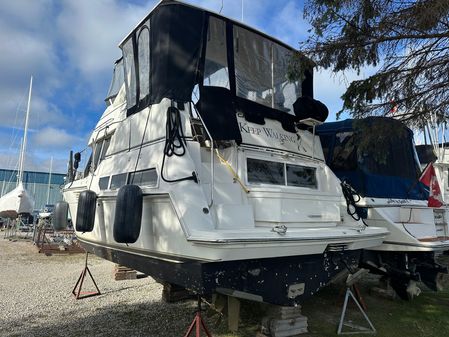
83, 294
198, 323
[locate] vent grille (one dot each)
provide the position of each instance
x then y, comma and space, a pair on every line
337, 247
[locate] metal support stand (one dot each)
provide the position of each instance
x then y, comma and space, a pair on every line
79, 284
197, 323
360, 329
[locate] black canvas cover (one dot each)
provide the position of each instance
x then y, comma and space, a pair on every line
176, 40
218, 113
307, 107
256, 113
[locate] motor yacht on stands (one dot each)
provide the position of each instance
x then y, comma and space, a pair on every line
384, 189
203, 175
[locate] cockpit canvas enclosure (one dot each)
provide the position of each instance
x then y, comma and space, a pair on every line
179, 50
375, 155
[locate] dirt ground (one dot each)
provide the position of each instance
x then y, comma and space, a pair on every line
36, 300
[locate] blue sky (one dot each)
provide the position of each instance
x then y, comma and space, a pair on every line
70, 46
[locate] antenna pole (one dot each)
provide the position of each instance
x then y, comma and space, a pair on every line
242, 10
25, 131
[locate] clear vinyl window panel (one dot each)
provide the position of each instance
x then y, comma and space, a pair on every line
261, 71
144, 178
216, 72
103, 183
143, 47
301, 176
118, 181
130, 73
265, 172
253, 71
118, 79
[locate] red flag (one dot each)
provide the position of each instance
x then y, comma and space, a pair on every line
394, 106
429, 178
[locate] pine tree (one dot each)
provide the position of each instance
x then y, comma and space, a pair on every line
406, 41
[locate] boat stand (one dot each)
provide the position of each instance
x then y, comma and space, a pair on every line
360, 329
197, 323
79, 284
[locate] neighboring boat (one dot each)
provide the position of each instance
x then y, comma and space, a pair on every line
205, 170
385, 172
18, 201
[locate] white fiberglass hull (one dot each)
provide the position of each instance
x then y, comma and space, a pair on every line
413, 226
16, 202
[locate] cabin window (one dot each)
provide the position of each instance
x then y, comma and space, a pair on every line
143, 48
301, 176
103, 183
265, 172
118, 181
216, 72
277, 173
130, 73
144, 178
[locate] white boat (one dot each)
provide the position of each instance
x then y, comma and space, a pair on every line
19, 201
385, 174
202, 174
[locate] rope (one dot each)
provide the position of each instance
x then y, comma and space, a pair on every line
351, 207
234, 174
174, 142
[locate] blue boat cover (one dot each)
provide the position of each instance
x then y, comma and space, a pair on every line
384, 165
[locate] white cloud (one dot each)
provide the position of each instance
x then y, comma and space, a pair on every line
92, 30
52, 138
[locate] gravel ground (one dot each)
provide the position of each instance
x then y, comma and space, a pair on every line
36, 299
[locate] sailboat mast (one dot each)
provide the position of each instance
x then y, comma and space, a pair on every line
25, 131
49, 180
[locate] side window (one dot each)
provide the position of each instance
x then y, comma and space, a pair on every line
118, 181
105, 147
216, 72
100, 150
144, 178
103, 183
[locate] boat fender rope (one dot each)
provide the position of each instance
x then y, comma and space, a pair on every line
175, 144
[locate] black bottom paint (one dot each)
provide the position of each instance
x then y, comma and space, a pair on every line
403, 267
269, 279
